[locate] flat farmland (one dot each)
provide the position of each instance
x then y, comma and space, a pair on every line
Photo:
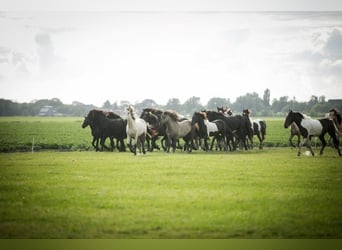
80, 193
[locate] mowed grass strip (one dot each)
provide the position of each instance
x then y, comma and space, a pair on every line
254, 194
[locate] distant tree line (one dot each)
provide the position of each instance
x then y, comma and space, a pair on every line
260, 106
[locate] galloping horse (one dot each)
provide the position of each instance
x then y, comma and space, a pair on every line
311, 127
176, 129
136, 129
102, 128
258, 127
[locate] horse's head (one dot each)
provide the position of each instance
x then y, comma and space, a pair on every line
221, 109
288, 119
335, 115
85, 122
150, 118
293, 117
196, 118
130, 112
246, 112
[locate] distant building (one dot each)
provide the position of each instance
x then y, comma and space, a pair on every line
48, 111
335, 103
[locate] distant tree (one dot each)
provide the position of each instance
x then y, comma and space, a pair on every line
251, 101
215, 102
106, 105
267, 97
174, 104
147, 103
279, 105
313, 100
321, 99
192, 105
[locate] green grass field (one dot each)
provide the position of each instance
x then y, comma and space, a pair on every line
270, 193
65, 133
255, 194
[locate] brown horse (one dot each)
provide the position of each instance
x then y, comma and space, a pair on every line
294, 131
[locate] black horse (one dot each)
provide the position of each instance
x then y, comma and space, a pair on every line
235, 125
198, 131
102, 127
311, 127
258, 128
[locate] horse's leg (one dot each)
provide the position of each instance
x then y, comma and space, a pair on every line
167, 143
290, 140
129, 143
309, 146
300, 146
143, 138
96, 146
102, 143
260, 139
174, 145
212, 143
122, 145
324, 143
298, 140
112, 145
307, 142
336, 142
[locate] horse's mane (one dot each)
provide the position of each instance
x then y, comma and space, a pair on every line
107, 114
110, 114
172, 114
153, 111
301, 115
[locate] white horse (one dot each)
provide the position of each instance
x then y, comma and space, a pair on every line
136, 129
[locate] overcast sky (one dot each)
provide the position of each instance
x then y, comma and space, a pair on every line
133, 52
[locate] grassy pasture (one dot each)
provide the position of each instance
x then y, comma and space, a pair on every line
254, 194
84, 194
65, 133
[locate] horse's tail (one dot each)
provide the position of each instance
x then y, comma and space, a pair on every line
263, 127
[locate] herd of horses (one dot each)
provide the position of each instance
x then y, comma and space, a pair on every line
222, 128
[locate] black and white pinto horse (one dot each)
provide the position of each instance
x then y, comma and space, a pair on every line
106, 124
175, 130
312, 127
258, 127
136, 129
